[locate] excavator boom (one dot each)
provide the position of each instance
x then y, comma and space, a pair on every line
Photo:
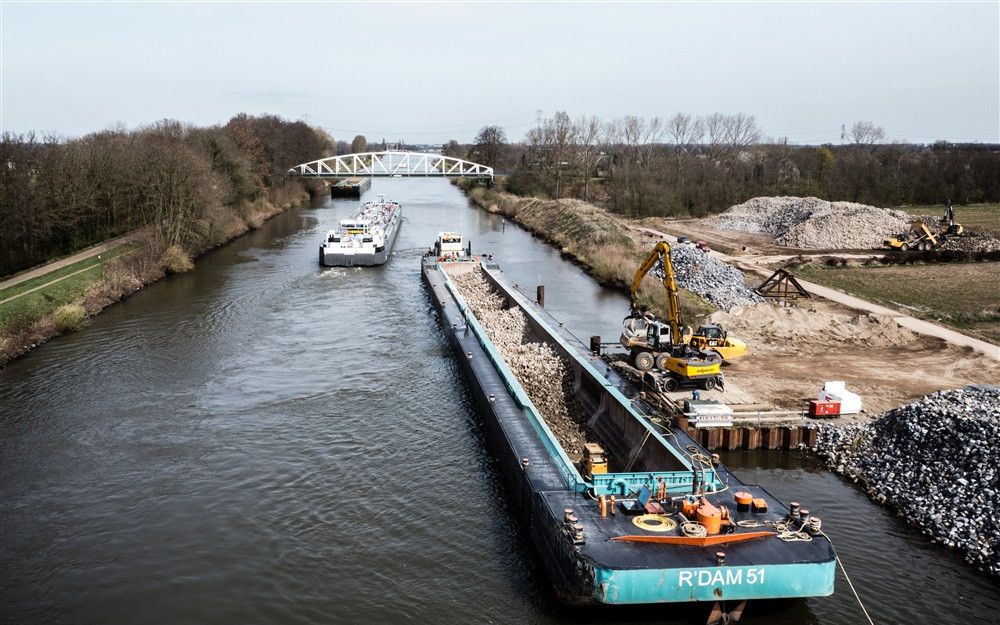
660, 254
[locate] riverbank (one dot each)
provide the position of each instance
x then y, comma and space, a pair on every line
31, 317
793, 351
604, 245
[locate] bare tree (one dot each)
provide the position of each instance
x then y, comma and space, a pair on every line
490, 145
589, 139
359, 144
866, 133
453, 148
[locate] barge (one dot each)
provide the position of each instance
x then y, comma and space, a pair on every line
639, 513
351, 187
365, 239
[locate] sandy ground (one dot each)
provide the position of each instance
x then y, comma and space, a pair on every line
886, 370
883, 361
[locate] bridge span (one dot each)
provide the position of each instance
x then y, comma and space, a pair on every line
390, 163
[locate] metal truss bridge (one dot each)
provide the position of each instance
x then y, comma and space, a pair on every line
391, 163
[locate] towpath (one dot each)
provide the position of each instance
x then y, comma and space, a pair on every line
920, 326
41, 270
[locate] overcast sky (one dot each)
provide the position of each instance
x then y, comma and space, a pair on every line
431, 72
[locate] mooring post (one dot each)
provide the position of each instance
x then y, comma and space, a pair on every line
540, 295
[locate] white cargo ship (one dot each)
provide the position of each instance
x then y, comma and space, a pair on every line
366, 238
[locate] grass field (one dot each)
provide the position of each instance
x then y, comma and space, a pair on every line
962, 295
982, 216
45, 300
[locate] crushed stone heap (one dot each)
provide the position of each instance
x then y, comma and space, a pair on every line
710, 278
813, 223
937, 462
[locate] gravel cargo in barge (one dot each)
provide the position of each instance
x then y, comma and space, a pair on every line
652, 520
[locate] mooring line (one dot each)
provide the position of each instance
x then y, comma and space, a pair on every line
850, 583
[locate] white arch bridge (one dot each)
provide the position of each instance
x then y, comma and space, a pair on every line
392, 163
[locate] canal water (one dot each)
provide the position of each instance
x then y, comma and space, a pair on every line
262, 440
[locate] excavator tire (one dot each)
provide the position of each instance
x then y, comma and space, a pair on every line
708, 384
904, 247
661, 361
670, 384
644, 361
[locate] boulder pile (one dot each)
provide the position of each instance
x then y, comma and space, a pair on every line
813, 223
936, 461
710, 278
536, 365
972, 243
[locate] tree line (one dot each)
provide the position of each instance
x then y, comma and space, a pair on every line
695, 165
185, 184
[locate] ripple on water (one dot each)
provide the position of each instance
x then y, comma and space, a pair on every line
265, 441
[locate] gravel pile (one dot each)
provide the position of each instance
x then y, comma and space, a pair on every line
937, 462
972, 243
543, 374
710, 278
814, 223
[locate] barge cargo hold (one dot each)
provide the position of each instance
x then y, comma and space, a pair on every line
647, 531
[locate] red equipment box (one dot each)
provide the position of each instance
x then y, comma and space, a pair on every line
824, 408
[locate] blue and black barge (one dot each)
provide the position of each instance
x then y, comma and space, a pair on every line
641, 514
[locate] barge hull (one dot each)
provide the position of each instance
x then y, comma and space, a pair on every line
600, 570
328, 259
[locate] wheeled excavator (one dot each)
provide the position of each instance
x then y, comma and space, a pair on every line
685, 358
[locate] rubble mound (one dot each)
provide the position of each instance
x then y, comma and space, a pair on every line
935, 461
813, 223
710, 278
769, 323
536, 365
972, 243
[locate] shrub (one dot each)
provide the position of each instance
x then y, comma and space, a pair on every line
176, 260
69, 317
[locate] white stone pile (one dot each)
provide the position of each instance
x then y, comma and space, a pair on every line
710, 278
937, 462
813, 223
543, 374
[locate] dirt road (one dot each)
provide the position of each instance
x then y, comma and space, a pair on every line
747, 263
41, 270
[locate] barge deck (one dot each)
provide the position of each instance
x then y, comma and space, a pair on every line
605, 556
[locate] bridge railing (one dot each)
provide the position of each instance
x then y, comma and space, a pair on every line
392, 163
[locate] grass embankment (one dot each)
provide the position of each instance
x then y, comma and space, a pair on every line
76, 292
962, 295
979, 217
42, 295
600, 242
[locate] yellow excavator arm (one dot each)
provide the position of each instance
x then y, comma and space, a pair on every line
661, 254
